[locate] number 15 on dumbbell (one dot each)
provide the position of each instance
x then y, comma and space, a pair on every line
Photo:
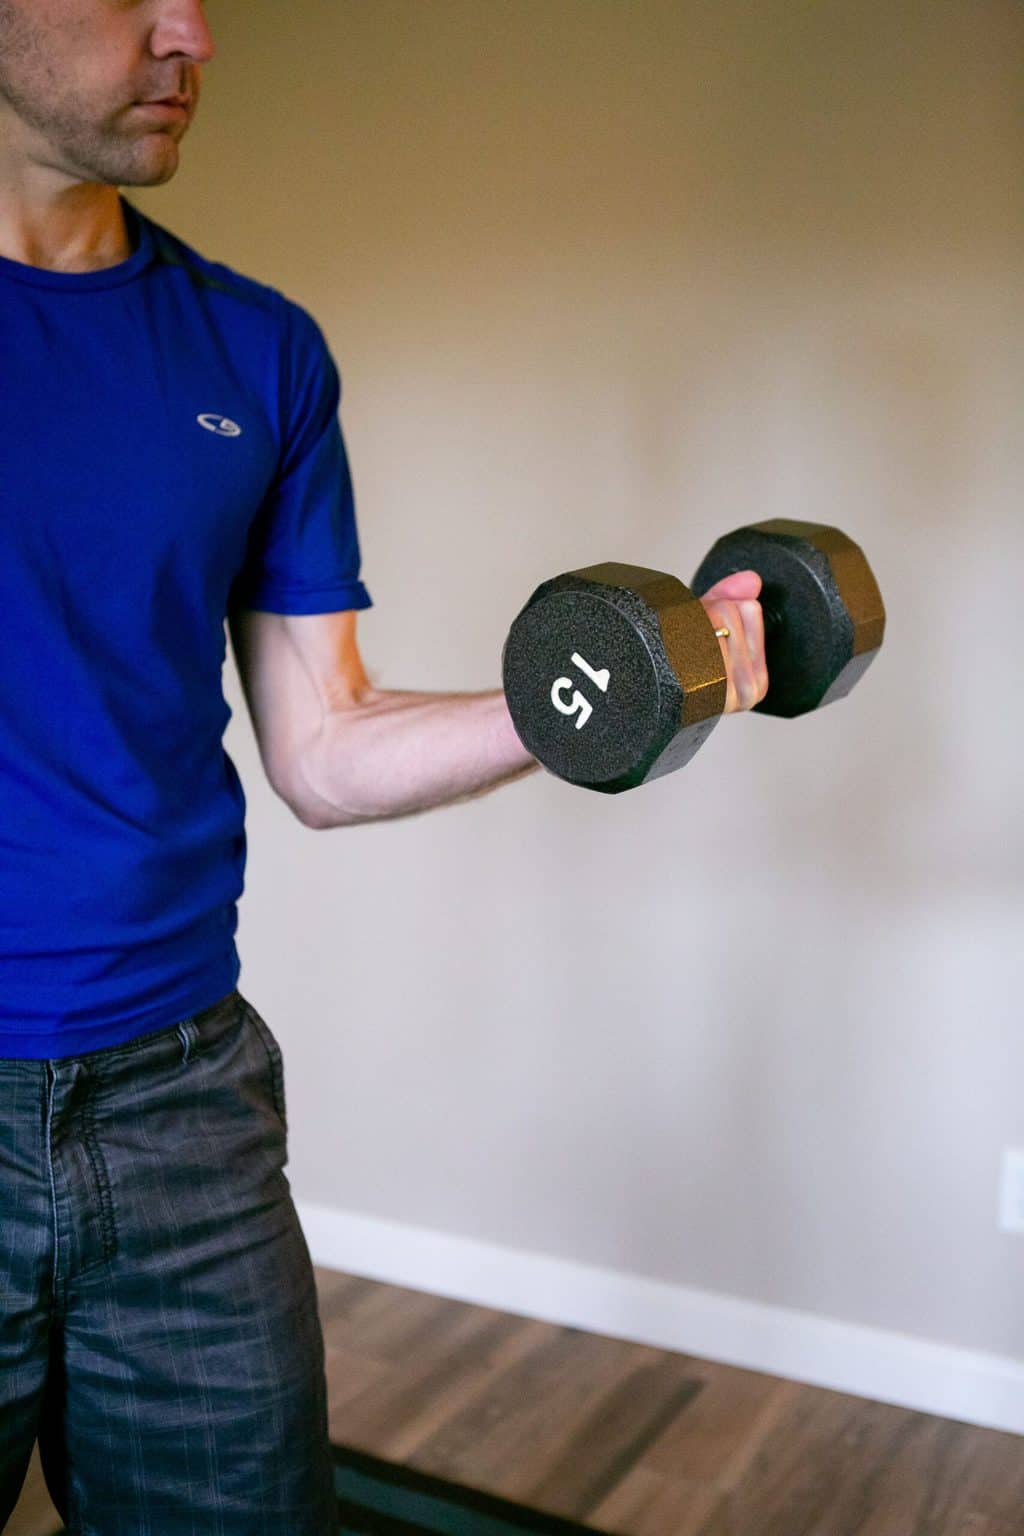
614, 674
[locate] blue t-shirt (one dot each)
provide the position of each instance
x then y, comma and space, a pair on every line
169, 445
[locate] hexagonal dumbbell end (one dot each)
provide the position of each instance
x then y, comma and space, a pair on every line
824, 615
613, 676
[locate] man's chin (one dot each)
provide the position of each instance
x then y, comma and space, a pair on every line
154, 164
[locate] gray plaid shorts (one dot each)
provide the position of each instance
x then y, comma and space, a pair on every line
159, 1332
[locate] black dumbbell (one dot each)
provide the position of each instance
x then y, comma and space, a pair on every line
614, 674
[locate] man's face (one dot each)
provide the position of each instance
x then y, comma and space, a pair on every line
72, 73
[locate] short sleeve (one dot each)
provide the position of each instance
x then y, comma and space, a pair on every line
302, 554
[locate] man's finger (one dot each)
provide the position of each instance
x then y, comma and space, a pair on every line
735, 588
742, 649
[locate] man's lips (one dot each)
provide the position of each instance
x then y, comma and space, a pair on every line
170, 109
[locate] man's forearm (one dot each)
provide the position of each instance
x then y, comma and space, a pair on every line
395, 754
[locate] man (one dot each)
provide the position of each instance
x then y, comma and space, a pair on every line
171, 457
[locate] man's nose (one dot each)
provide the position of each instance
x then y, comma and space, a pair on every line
182, 28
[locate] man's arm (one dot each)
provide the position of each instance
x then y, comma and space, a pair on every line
339, 751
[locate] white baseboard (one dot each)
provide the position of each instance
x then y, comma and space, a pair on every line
971, 1386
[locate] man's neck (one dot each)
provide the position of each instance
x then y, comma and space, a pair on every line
80, 228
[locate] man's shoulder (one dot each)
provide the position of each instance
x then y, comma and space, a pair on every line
243, 305
217, 277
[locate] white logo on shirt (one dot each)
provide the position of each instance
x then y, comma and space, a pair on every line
219, 424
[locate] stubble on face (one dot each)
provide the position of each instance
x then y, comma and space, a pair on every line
73, 118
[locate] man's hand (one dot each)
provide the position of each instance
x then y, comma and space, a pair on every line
732, 604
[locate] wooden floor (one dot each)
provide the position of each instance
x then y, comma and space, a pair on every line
631, 1440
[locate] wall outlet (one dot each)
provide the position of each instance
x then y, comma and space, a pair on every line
1011, 1191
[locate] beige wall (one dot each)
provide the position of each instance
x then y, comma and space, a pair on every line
605, 278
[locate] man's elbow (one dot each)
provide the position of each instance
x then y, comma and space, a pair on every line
317, 814
306, 807
315, 821
300, 786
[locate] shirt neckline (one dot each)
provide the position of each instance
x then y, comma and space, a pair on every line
105, 277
